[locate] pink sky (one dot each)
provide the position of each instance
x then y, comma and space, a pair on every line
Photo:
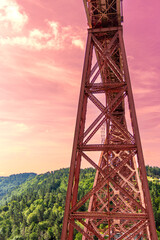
42, 46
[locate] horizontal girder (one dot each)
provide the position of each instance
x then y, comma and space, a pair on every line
107, 216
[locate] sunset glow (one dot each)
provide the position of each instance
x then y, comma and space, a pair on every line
42, 45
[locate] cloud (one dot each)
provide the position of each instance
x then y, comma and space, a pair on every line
148, 110
142, 91
54, 26
145, 76
55, 37
13, 127
12, 16
78, 43
130, 58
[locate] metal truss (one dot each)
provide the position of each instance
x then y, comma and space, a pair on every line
119, 201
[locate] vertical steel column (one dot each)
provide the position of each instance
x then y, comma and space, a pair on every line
75, 142
142, 168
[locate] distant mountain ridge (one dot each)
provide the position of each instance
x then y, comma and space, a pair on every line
12, 182
8, 184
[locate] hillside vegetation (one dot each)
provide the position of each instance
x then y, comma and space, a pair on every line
35, 209
8, 184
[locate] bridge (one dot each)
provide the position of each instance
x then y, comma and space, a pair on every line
119, 203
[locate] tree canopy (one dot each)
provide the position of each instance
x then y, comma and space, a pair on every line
34, 210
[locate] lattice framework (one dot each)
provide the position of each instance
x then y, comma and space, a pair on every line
119, 202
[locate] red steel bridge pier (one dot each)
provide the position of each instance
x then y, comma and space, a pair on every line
119, 203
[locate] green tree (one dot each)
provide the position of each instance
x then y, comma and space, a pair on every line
33, 236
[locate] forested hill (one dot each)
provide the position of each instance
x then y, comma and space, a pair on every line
7, 184
35, 209
153, 172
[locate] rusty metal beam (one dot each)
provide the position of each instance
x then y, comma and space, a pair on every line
107, 216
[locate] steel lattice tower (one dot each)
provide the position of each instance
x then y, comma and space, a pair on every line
119, 201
